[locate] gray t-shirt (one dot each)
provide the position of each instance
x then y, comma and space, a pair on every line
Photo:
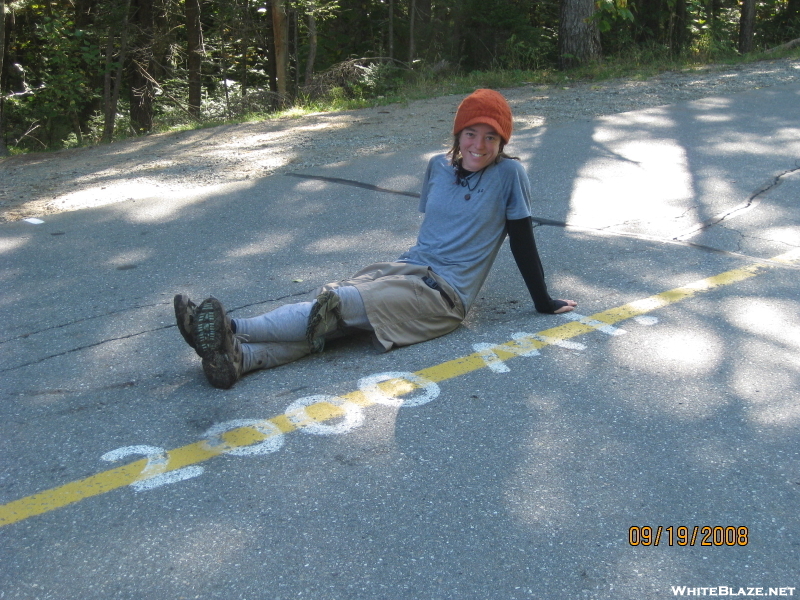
459, 238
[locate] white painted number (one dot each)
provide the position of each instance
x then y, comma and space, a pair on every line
273, 442
429, 390
298, 415
393, 388
154, 473
524, 345
599, 325
489, 356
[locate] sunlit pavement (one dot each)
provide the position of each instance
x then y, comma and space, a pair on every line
646, 448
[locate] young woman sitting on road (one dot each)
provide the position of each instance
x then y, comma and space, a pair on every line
472, 197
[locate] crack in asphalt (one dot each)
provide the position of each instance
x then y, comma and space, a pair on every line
752, 202
124, 337
22, 336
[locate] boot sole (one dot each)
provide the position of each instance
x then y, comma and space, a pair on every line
185, 321
209, 327
327, 304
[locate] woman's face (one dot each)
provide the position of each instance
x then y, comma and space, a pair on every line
479, 145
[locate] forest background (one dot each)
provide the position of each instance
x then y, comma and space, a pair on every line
78, 72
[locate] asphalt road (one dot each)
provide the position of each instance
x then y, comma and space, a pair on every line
534, 451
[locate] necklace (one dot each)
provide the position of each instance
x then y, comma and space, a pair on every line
464, 182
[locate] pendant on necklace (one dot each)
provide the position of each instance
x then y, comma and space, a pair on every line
468, 196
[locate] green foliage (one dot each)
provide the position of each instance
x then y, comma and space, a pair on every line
512, 34
535, 52
379, 79
92, 130
65, 73
612, 12
776, 23
713, 40
57, 88
55, 65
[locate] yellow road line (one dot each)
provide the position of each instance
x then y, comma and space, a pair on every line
198, 452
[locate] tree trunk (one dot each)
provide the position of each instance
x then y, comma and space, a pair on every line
747, 23
312, 47
194, 34
76, 127
269, 56
295, 52
578, 34
412, 13
280, 32
244, 36
109, 115
3, 149
424, 27
142, 89
224, 56
391, 29
713, 9
678, 27
111, 97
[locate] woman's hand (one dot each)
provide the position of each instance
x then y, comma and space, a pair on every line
567, 306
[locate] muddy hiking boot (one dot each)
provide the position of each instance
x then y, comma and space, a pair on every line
325, 317
184, 316
214, 341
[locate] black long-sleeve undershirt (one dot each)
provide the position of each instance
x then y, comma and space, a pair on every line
523, 248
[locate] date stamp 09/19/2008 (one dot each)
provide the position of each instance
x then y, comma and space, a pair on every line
697, 535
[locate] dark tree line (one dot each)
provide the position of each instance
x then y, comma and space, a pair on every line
72, 69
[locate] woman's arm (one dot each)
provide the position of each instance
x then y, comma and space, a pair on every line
523, 247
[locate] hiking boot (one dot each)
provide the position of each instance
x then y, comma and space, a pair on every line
216, 343
184, 315
224, 367
326, 316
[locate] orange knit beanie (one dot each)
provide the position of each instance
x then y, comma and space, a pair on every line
484, 106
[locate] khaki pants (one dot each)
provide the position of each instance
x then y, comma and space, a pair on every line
401, 307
